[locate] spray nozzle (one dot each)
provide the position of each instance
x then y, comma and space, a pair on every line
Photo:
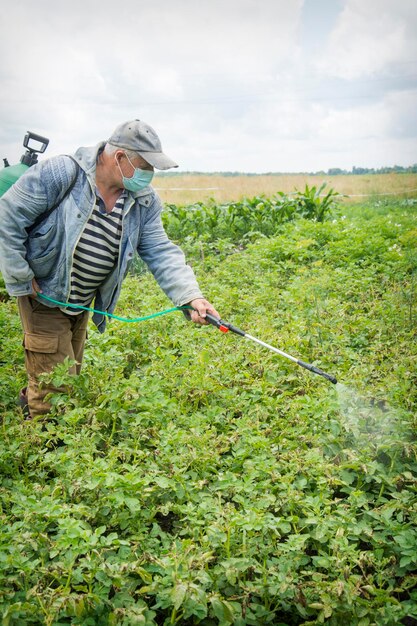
317, 370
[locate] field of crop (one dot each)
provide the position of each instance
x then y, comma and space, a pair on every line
190, 477
188, 188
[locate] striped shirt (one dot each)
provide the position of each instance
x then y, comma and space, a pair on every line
96, 253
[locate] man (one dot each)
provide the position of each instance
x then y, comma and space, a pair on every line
80, 251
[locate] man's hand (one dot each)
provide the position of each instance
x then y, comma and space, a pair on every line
35, 288
201, 307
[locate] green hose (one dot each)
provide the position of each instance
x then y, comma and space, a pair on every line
115, 317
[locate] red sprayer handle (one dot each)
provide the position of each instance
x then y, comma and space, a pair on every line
223, 326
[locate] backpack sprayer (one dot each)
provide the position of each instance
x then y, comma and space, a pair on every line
35, 145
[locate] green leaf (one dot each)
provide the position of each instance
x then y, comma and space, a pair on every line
223, 611
178, 594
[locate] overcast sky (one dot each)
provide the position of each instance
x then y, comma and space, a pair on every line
248, 85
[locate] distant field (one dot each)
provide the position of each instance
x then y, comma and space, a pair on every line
190, 188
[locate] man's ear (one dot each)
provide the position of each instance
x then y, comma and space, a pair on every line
118, 155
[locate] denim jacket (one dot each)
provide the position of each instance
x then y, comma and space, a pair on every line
47, 252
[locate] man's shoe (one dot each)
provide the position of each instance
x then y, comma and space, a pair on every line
23, 402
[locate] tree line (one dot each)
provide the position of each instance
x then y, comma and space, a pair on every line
332, 171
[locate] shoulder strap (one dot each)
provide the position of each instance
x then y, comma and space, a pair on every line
48, 212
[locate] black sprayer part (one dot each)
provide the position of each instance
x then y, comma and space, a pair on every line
35, 144
317, 370
226, 326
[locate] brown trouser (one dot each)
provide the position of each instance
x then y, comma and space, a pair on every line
49, 337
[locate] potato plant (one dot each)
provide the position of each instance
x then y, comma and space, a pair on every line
190, 477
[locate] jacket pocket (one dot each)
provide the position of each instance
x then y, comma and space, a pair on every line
42, 266
43, 235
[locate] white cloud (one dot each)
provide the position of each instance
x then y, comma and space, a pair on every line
370, 35
228, 84
94, 63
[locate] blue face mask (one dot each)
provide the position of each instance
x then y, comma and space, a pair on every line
139, 180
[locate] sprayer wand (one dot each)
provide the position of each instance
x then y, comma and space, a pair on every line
224, 327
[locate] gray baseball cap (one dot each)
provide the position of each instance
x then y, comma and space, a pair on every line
141, 138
